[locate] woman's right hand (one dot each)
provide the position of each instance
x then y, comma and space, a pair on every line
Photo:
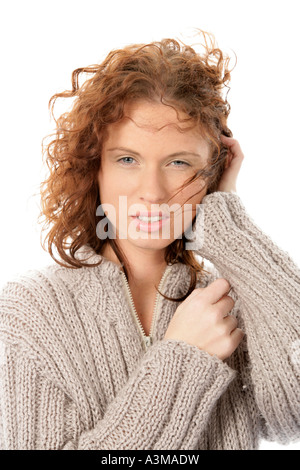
203, 320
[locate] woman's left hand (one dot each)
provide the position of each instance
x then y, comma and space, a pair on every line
233, 165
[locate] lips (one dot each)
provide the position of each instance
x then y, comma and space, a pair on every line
150, 224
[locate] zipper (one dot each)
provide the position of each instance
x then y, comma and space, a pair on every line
148, 340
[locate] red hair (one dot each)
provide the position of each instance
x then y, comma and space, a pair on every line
168, 71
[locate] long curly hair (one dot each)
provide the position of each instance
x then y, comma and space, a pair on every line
169, 71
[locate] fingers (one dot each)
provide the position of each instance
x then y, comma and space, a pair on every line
237, 335
232, 144
216, 290
231, 323
235, 154
224, 306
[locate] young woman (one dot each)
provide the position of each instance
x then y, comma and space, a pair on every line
127, 341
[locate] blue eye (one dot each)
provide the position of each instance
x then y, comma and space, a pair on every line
121, 160
124, 159
179, 161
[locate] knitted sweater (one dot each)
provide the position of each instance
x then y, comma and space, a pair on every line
77, 371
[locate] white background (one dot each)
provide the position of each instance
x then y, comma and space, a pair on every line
42, 42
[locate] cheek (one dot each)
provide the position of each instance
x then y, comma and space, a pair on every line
189, 198
193, 193
111, 185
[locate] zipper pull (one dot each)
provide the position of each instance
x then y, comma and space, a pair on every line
147, 341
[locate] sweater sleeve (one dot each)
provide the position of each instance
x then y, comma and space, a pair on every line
153, 410
267, 283
156, 407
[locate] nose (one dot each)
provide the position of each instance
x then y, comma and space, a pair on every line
152, 187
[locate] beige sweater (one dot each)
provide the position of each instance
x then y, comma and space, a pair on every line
78, 373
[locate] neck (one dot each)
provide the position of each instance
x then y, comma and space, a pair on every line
146, 266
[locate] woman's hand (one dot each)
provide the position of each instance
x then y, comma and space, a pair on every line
203, 320
233, 165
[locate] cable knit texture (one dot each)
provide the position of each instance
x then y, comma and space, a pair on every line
76, 373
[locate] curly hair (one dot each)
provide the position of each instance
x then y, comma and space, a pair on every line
169, 71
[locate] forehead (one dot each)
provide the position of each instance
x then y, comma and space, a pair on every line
155, 116
156, 121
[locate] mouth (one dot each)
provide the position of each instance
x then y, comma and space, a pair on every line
150, 224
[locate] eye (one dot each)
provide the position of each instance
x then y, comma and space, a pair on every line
123, 158
182, 163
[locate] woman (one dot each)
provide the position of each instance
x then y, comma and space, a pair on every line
127, 341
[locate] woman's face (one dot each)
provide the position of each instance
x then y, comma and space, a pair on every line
145, 160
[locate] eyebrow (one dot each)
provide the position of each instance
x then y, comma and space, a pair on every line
176, 154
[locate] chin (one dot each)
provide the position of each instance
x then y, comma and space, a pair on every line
156, 244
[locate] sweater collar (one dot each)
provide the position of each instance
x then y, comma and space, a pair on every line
178, 273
